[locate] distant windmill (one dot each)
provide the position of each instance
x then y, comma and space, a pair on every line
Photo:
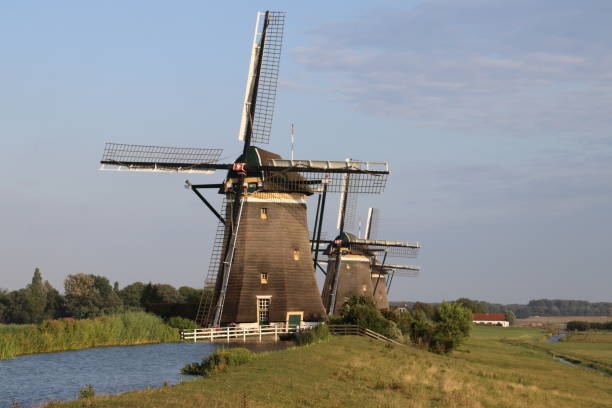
362, 265
260, 271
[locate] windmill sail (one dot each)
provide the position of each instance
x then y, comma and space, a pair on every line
371, 229
129, 157
260, 93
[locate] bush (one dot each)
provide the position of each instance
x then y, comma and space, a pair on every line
453, 323
87, 391
181, 323
317, 334
448, 326
578, 326
370, 318
360, 310
219, 361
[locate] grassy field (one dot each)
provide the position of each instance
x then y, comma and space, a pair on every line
558, 321
69, 334
591, 347
354, 371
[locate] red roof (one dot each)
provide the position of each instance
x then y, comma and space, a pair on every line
489, 316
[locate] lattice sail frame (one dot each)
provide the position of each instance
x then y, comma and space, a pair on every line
365, 177
129, 157
268, 76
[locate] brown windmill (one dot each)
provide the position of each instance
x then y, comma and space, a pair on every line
358, 266
261, 270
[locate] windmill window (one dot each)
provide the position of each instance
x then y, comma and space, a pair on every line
264, 277
364, 288
263, 214
296, 254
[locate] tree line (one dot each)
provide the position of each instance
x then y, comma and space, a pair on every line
539, 307
85, 296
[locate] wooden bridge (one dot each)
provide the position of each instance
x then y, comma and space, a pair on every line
258, 332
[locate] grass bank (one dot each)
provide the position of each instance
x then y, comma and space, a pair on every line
355, 371
590, 348
69, 334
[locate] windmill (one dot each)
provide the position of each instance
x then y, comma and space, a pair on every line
362, 263
260, 271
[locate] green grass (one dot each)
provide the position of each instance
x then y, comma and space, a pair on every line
359, 372
591, 347
69, 334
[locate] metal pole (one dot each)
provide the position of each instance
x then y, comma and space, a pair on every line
320, 223
390, 280
210, 207
332, 305
314, 233
380, 273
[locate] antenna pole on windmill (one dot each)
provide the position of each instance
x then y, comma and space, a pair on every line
292, 139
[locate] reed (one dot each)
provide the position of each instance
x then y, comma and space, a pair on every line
69, 334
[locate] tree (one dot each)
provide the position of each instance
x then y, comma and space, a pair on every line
453, 325
34, 303
37, 297
90, 296
510, 317
159, 293
472, 305
131, 295
189, 295
4, 305
425, 308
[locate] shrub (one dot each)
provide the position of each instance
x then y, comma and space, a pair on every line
453, 323
181, 323
317, 334
447, 327
87, 391
578, 326
219, 361
370, 318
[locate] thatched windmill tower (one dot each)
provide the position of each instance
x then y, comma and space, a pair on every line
261, 270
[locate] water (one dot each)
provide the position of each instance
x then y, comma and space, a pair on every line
563, 360
554, 339
39, 378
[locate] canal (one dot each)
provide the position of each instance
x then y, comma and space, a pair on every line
35, 379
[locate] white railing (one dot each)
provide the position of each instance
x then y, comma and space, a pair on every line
235, 333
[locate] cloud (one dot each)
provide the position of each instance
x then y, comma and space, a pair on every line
517, 67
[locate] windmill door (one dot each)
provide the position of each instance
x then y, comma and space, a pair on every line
294, 319
263, 310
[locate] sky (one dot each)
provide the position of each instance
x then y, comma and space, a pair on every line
495, 117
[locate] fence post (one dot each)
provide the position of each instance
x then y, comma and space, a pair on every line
275, 333
211, 334
195, 335
244, 334
227, 330
260, 334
